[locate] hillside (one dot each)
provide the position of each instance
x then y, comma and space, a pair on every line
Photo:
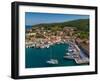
80, 24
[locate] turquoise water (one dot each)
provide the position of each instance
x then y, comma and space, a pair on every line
37, 57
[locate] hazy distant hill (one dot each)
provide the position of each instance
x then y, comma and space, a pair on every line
80, 24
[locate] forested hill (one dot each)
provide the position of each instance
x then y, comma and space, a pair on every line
80, 24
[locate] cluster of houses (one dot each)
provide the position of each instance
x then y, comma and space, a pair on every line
40, 37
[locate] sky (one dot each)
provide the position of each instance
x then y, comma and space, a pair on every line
39, 18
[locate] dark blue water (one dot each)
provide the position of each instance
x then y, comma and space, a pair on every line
28, 27
37, 57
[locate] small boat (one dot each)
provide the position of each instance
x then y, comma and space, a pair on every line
68, 57
47, 46
58, 42
68, 53
70, 50
52, 61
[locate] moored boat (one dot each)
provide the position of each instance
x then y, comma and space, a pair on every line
52, 61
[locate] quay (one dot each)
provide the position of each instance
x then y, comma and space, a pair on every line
77, 55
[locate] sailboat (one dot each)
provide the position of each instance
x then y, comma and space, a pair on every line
69, 54
52, 61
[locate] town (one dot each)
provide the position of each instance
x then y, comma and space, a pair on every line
41, 37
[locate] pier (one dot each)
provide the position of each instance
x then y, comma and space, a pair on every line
77, 55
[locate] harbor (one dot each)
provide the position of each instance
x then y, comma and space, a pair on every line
62, 54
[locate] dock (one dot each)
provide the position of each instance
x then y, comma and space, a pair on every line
77, 55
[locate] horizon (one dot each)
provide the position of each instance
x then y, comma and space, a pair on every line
32, 19
52, 22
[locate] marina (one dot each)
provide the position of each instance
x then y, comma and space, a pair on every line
75, 53
62, 54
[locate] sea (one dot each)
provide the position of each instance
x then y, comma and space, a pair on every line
38, 57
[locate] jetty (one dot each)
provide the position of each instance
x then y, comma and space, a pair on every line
76, 54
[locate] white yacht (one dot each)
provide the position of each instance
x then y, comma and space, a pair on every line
68, 53
52, 61
68, 57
